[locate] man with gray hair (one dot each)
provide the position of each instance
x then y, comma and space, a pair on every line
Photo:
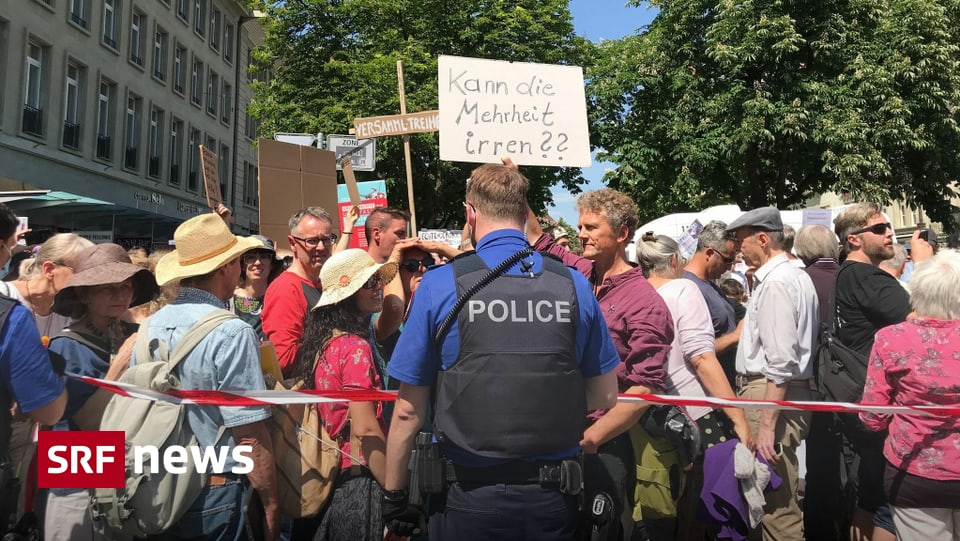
775, 360
716, 253
297, 289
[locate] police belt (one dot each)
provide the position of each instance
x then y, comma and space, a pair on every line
563, 475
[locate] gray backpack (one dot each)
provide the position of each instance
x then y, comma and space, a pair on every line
153, 501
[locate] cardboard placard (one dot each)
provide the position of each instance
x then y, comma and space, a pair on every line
211, 176
534, 113
293, 177
350, 180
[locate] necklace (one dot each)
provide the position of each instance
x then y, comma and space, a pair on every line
47, 319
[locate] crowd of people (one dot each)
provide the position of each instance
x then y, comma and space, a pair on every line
511, 351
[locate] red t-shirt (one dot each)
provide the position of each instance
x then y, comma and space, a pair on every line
285, 306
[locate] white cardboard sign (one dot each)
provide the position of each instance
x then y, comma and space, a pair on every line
534, 113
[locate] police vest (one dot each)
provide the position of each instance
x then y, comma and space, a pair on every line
515, 389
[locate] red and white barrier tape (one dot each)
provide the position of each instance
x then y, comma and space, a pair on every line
268, 398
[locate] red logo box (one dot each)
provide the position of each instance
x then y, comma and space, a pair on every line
81, 459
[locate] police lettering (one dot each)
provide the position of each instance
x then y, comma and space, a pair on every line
500, 311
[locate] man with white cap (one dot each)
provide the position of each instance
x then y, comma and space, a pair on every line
775, 360
207, 264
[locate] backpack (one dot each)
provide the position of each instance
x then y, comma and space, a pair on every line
840, 372
153, 501
307, 458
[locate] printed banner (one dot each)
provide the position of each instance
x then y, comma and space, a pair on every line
373, 194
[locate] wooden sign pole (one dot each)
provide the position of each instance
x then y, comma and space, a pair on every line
406, 151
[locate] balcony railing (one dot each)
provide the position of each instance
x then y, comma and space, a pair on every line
178, 87
136, 59
175, 174
130, 158
192, 181
109, 41
78, 20
32, 120
103, 147
71, 135
153, 166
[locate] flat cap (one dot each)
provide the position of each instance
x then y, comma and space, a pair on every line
764, 218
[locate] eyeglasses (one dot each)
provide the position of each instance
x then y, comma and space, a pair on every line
250, 258
876, 229
413, 265
313, 242
372, 283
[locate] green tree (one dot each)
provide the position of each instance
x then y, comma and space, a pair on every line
768, 102
334, 61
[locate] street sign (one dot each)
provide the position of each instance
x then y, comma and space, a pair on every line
364, 159
383, 126
302, 139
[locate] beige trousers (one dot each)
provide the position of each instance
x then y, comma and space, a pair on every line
783, 518
926, 524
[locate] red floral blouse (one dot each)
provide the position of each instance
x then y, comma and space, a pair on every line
917, 362
346, 364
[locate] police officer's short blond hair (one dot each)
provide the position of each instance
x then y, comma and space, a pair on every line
498, 192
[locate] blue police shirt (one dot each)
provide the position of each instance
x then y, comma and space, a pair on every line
415, 360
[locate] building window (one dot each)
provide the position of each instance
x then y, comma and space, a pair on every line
215, 18
78, 12
183, 10
226, 101
179, 71
228, 43
111, 14
136, 37
251, 127
33, 90
196, 83
213, 93
250, 187
193, 147
71, 107
131, 135
200, 16
105, 119
155, 142
176, 150
161, 41
224, 169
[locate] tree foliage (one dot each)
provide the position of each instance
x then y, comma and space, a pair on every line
771, 101
335, 60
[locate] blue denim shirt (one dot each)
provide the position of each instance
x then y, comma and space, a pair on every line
227, 359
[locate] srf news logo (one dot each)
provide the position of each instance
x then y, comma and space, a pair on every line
96, 459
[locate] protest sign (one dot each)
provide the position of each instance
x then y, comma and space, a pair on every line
534, 113
211, 176
373, 194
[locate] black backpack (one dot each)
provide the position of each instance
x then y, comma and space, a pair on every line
840, 372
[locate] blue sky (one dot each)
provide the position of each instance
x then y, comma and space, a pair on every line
597, 20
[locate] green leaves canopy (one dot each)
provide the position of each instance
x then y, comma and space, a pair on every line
769, 102
334, 61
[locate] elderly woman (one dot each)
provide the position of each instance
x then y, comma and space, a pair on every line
917, 363
105, 284
692, 367
336, 356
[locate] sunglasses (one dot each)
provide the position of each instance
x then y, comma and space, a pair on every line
252, 257
876, 229
726, 260
372, 283
413, 265
313, 242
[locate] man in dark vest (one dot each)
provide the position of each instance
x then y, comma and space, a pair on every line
517, 370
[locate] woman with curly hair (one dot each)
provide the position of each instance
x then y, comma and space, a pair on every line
335, 355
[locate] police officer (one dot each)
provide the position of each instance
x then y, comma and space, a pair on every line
514, 376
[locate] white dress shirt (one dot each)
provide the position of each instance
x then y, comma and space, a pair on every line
779, 333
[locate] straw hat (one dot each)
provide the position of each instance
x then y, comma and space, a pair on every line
204, 243
345, 272
104, 264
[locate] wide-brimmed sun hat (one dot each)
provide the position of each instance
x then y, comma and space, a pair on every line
204, 243
105, 264
346, 272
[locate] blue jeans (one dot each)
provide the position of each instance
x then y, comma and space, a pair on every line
502, 512
217, 515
